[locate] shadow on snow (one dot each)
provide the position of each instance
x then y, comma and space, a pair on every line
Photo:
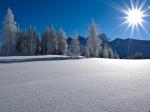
9, 61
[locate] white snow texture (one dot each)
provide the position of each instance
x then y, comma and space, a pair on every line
82, 85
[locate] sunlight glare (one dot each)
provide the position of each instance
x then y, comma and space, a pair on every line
134, 17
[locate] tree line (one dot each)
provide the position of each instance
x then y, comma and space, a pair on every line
29, 42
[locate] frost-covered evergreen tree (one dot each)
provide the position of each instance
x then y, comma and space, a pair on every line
75, 46
20, 42
87, 52
52, 42
116, 56
105, 52
38, 50
44, 41
61, 42
110, 52
9, 34
30, 42
93, 43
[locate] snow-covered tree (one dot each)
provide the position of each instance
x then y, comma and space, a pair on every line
44, 41
93, 43
75, 46
20, 42
9, 34
38, 50
87, 52
105, 52
116, 56
61, 42
30, 42
52, 42
110, 52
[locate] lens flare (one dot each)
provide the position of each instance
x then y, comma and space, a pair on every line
134, 17
134, 14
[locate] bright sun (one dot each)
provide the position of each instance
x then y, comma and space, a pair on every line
134, 17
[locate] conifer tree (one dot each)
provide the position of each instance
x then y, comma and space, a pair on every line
32, 41
52, 42
76, 46
38, 50
44, 41
93, 43
61, 42
116, 56
20, 42
110, 52
9, 34
105, 52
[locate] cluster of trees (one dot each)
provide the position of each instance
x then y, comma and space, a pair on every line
29, 42
136, 56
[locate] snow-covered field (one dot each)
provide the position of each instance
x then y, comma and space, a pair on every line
11, 59
82, 85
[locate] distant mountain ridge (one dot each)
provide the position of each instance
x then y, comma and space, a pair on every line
124, 47
128, 47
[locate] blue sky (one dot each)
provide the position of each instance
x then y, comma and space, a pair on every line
73, 15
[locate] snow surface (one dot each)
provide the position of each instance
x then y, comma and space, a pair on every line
10, 59
82, 85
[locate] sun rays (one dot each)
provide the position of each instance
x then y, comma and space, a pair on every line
134, 14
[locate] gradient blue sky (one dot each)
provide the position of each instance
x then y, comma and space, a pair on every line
72, 15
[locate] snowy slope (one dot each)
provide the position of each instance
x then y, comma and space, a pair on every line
84, 85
